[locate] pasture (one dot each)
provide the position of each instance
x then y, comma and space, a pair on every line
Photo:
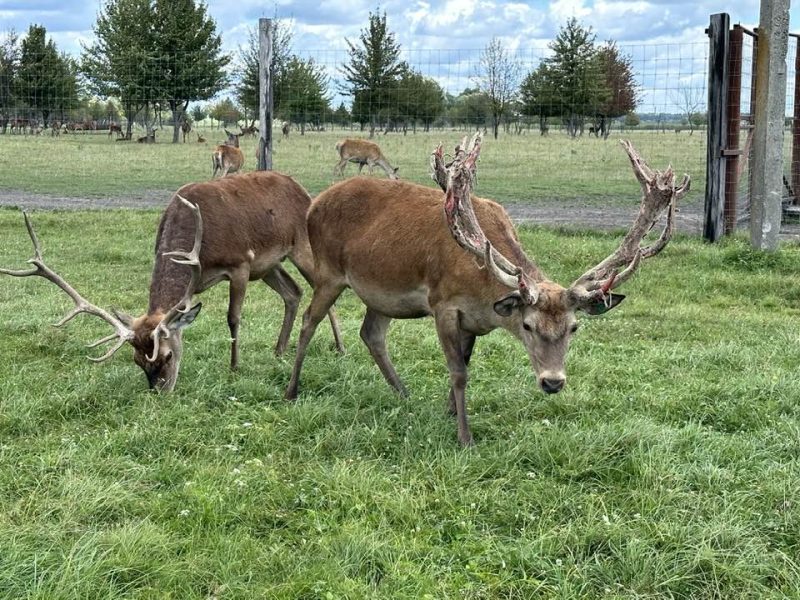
514, 168
667, 467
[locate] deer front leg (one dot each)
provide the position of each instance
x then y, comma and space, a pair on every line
237, 289
373, 332
280, 281
467, 345
450, 337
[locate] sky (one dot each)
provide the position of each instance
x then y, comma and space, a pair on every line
443, 39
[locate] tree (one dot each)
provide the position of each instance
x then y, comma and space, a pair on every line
190, 50
470, 108
248, 68
304, 87
120, 62
341, 116
575, 76
539, 96
9, 63
689, 100
622, 94
46, 81
226, 112
199, 112
497, 78
632, 120
373, 71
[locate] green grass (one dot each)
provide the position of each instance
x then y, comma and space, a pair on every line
668, 467
513, 168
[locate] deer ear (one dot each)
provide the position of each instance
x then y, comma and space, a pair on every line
186, 319
505, 306
598, 307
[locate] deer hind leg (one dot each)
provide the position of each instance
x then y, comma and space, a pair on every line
467, 345
237, 289
339, 168
280, 281
373, 332
450, 336
324, 297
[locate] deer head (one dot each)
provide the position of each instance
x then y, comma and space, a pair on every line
156, 339
539, 312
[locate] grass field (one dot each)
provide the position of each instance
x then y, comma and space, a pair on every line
514, 168
667, 468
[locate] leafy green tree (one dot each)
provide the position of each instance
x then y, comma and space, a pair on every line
46, 81
497, 78
622, 90
341, 116
419, 99
9, 63
470, 108
374, 69
632, 120
539, 96
575, 75
247, 68
199, 112
226, 112
192, 63
120, 62
304, 93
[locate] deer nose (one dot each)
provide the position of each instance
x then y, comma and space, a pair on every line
551, 386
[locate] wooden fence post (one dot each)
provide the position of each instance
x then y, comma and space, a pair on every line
265, 94
717, 126
795, 166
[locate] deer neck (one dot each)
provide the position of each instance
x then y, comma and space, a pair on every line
169, 279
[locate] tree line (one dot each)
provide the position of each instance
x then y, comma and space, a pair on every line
151, 58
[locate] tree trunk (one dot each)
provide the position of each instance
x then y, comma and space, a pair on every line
495, 126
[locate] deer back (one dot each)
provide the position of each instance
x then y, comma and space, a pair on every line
358, 148
393, 235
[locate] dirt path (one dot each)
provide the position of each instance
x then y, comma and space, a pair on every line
561, 213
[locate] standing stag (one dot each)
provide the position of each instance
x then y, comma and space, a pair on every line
186, 128
227, 157
407, 253
238, 229
362, 152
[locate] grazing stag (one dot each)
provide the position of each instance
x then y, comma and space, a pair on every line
407, 252
227, 157
186, 129
362, 152
286, 127
238, 229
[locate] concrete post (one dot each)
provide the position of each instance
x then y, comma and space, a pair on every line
767, 165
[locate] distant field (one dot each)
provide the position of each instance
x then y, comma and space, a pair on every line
524, 168
668, 467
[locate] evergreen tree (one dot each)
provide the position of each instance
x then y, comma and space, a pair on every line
9, 63
374, 69
46, 81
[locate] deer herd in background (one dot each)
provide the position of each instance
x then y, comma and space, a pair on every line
406, 251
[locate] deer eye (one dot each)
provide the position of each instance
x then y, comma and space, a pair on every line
526, 327
574, 328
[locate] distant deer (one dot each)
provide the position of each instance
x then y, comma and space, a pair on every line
410, 251
250, 131
237, 229
286, 127
115, 128
200, 139
362, 152
186, 129
227, 157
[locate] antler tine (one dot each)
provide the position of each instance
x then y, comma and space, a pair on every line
40, 269
438, 169
467, 231
192, 259
659, 193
